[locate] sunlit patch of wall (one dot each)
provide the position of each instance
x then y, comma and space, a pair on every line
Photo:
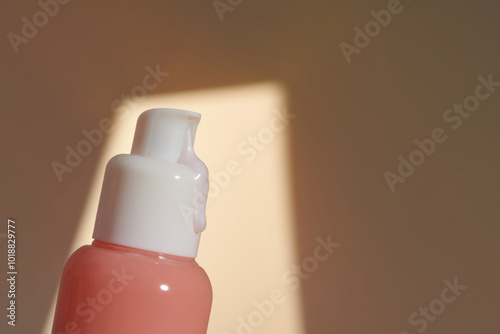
248, 247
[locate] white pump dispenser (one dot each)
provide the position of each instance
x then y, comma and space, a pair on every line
154, 199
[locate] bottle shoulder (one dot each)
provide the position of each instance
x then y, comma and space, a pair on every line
91, 263
103, 255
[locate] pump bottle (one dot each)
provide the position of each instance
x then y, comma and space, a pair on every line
139, 275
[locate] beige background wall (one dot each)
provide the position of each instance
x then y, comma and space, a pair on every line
353, 121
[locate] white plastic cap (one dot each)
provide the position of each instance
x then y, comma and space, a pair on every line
154, 199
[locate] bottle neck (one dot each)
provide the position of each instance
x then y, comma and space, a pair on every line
146, 253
